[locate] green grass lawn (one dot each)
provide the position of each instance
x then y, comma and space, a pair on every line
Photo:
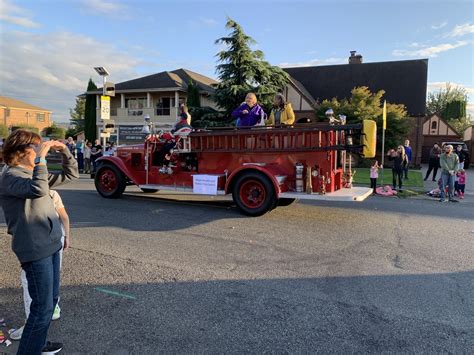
415, 178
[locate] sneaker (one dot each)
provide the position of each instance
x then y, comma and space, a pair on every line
17, 333
52, 348
442, 200
56, 313
453, 200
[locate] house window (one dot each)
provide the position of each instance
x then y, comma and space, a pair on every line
40, 117
163, 107
135, 105
434, 125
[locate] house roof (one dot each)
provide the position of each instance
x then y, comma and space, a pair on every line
404, 82
176, 80
14, 103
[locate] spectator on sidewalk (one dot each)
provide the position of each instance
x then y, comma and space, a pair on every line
87, 158
96, 152
449, 164
65, 229
408, 152
80, 154
71, 146
35, 227
400, 161
461, 155
460, 184
374, 174
433, 164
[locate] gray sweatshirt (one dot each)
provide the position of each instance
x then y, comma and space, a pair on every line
29, 211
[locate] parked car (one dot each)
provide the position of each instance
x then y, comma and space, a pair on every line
467, 160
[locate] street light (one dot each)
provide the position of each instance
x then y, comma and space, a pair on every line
103, 73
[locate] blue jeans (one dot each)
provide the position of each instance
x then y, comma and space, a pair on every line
80, 161
43, 286
447, 180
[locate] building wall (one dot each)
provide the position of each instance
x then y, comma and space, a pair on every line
13, 117
300, 105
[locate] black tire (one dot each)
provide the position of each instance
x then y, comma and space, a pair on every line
260, 191
150, 191
109, 181
285, 201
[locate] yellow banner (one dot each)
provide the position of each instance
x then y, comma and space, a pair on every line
384, 115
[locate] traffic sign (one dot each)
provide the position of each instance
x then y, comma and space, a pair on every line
105, 107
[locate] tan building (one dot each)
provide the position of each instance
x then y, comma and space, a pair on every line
15, 113
158, 95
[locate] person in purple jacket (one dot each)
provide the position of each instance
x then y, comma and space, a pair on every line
250, 113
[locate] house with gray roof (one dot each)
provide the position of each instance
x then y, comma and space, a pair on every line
158, 95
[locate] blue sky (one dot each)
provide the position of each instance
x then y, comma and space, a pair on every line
48, 48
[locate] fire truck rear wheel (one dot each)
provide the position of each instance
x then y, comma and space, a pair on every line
254, 194
109, 181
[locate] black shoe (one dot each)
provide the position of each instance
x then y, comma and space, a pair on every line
433, 180
453, 200
425, 179
52, 348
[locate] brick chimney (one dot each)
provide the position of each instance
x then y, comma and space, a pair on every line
355, 58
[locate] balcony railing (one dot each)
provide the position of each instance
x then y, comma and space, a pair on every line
135, 112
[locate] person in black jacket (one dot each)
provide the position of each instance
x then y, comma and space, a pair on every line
433, 163
400, 162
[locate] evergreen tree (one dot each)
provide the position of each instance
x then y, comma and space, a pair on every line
90, 125
54, 132
77, 114
193, 99
243, 70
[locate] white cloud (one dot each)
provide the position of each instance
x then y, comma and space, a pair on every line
50, 70
428, 51
209, 21
107, 8
16, 15
439, 26
314, 62
437, 85
461, 30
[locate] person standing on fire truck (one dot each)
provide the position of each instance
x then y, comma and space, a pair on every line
282, 112
249, 113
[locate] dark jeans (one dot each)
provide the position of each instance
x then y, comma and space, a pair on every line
405, 171
80, 161
395, 174
93, 161
373, 183
447, 180
43, 286
433, 164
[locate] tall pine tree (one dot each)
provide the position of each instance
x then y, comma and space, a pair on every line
90, 125
243, 70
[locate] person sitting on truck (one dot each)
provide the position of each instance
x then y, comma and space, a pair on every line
249, 113
282, 112
184, 120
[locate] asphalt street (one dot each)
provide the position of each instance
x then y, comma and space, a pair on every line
179, 274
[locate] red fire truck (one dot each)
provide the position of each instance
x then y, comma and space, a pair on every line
261, 167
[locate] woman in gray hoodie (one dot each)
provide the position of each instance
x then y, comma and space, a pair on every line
35, 227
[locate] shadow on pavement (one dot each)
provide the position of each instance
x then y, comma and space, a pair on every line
398, 313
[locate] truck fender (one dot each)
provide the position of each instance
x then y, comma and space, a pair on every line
111, 160
264, 170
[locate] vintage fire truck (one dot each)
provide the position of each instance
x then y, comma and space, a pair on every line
262, 167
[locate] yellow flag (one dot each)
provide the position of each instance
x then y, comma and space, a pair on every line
384, 115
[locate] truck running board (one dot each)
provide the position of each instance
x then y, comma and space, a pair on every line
353, 194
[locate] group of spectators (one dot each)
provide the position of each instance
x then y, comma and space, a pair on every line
87, 153
453, 175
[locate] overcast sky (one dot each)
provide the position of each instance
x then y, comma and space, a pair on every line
48, 48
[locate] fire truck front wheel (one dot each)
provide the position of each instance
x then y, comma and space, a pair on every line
109, 181
254, 194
